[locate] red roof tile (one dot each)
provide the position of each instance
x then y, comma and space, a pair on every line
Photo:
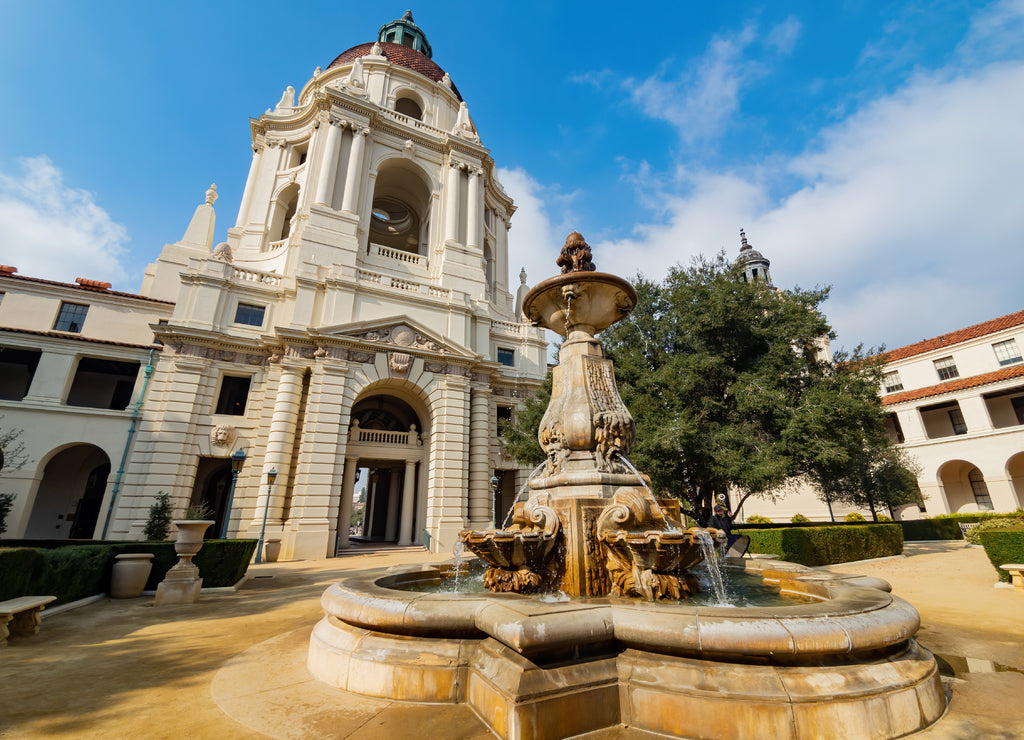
76, 337
86, 287
954, 385
403, 56
955, 337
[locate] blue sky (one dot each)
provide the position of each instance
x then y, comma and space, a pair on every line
874, 147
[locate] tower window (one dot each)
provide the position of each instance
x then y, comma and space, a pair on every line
946, 368
250, 315
234, 392
70, 317
409, 107
1007, 352
507, 356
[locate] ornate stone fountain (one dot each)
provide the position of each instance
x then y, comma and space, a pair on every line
613, 536
840, 662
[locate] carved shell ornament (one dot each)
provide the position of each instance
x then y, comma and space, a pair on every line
223, 435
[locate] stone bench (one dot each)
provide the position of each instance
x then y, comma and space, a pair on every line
1016, 571
966, 527
23, 615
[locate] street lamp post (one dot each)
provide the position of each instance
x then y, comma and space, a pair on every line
271, 477
496, 505
237, 460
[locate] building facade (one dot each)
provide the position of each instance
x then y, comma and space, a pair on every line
359, 320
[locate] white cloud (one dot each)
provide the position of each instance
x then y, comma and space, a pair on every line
910, 208
54, 231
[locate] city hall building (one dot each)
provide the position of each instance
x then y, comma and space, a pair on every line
360, 320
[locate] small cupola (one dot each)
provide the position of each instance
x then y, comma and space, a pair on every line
754, 264
403, 31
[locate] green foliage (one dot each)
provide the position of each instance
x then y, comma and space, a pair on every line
221, 563
18, 566
159, 522
931, 529
1011, 522
1004, 546
6, 504
854, 516
799, 519
758, 519
13, 455
519, 438
883, 518
74, 572
198, 512
826, 545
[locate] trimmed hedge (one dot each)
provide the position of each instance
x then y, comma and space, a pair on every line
1004, 546
931, 529
827, 545
72, 572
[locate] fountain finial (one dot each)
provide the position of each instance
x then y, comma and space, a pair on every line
575, 255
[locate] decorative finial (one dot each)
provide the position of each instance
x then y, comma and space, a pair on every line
407, 16
211, 194
575, 255
376, 50
743, 240
522, 276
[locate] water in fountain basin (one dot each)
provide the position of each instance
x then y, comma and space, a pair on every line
640, 478
711, 569
519, 496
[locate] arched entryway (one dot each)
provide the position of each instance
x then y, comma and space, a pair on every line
965, 487
387, 455
1015, 474
70, 494
211, 487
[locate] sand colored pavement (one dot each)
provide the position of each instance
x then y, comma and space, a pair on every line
232, 665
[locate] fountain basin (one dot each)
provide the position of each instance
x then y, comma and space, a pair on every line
531, 668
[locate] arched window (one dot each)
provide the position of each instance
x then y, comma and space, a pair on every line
980, 490
399, 217
409, 107
284, 211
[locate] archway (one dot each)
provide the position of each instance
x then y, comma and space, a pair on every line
400, 214
67, 502
1015, 474
965, 487
211, 487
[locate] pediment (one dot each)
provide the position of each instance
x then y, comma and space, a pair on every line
399, 332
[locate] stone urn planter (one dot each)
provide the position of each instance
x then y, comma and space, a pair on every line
129, 575
272, 550
182, 583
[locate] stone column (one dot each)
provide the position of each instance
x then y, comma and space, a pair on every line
480, 499
353, 177
451, 214
329, 164
976, 414
348, 490
250, 184
474, 216
408, 502
279, 444
391, 531
911, 424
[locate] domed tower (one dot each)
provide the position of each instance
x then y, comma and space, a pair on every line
755, 265
359, 310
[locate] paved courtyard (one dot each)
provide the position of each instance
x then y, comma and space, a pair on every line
232, 665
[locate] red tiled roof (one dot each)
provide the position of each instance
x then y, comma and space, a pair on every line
76, 337
403, 56
955, 337
85, 288
955, 385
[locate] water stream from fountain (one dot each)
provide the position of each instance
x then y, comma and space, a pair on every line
714, 572
457, 550
640, 478
511, 510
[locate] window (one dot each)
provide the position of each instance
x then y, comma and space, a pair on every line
248, 314
980, 490
946, 368
891, 381
1007, 352
507, 356
70, 317
957, 420
234, 392
409, 107
504, 418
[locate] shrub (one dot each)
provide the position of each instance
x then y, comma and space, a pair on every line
221, 562
198, 512
1004, 546
827, 545
884, 518
6, 504
799, 519
159, 522
18, 566
931, 529
974, 534
74, 572
758, 519
853, 516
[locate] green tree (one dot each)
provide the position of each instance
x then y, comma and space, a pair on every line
519, 437
730, 389
13, 456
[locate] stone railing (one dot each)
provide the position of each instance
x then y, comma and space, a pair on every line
257, 276
384, 437
409, 286
411, 122
398, 254
505, 327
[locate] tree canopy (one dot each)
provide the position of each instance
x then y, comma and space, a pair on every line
732, 392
